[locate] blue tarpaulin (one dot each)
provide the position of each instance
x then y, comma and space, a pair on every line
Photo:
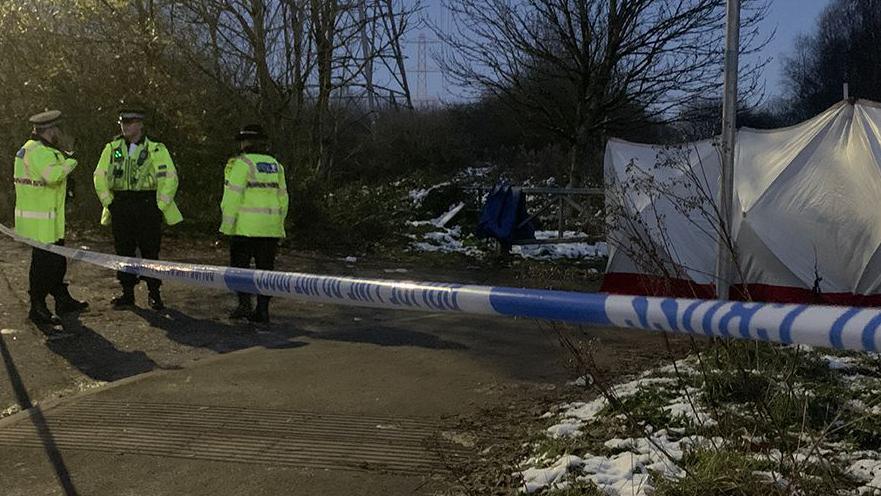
502, 216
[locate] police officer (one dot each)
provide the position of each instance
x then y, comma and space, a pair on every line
40, 176
136, 182
254, 207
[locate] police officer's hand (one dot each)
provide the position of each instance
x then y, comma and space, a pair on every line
71, 188
66, 144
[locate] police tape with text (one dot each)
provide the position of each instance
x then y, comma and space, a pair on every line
838, 327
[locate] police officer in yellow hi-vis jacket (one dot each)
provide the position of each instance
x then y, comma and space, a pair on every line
136, 182
40, 177
254, 207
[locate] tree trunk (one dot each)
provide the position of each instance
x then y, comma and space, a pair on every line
323, 24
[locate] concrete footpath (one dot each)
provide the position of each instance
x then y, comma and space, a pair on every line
315, 417
326, 401
311, 416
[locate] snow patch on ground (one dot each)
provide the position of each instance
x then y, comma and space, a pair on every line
561, 250
446, 241
841, 362
550, 477
623, 473
867, 470
418, 195
627, 465
450, 240
575, 415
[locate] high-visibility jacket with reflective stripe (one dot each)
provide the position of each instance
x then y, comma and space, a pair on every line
40, 177
255, 197
148, 168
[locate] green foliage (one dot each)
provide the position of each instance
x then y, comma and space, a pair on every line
354, 216
439, 200
646, 407
720, 472
577, 488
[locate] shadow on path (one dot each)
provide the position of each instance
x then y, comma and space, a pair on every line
96, 356
36, 416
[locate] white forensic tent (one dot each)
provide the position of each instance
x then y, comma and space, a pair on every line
807, 203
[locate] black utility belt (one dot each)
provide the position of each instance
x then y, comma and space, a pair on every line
127, 195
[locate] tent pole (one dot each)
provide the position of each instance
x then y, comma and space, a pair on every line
724, 261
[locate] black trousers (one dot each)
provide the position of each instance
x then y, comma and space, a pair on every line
137, 226
47, 273
243, 249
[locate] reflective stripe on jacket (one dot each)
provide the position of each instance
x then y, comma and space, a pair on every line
255, 197
148, 168
40, 177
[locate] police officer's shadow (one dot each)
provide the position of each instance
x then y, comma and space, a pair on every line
93, 354
219, 335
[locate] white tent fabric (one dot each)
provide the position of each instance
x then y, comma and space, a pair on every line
807, 202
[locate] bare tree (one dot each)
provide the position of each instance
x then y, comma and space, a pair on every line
843, 48
582, 69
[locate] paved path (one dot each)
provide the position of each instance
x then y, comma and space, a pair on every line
328, 400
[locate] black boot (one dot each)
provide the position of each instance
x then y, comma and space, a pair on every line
40, 313
125, 300
155, 300
64, 303
244, 310
261, 314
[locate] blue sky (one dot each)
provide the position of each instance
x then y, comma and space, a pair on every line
790, 17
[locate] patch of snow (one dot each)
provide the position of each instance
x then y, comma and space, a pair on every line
395, 271
471, 172
618, 474
581, 381
350, 259
417, 196
553, 476
841, 362
634, 461
683, 366
694, 414
633, 387
446, 241
7, 332
624, 473
574, 415
568, 428
868, 471
442, 220
583, 411
775, 477
561, 250
419, 223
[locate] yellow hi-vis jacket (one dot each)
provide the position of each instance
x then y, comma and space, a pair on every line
40, 178
148, 168
255, 197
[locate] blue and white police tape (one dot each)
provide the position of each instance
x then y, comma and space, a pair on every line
838, 327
